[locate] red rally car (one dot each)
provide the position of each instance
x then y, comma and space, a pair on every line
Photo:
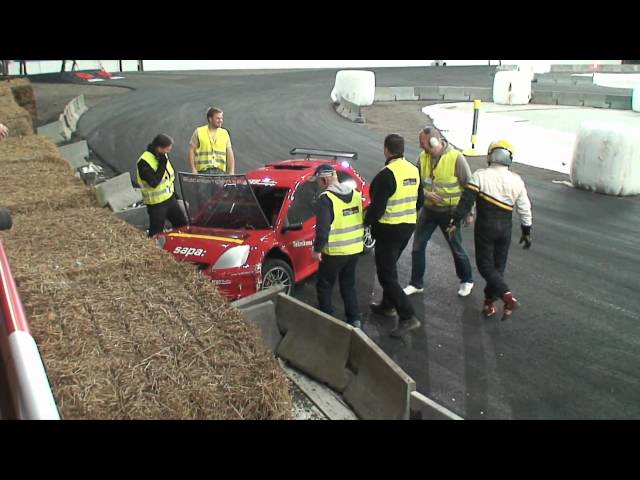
249, 232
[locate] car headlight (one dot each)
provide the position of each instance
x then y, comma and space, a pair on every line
232, 258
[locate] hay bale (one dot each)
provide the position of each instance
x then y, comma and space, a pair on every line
24, 96
32, 147
150, 338
16, 118
37, 185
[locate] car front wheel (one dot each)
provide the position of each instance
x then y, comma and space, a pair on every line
277, 272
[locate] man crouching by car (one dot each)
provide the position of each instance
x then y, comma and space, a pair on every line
339, 242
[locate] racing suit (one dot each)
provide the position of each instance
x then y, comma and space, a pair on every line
497, 191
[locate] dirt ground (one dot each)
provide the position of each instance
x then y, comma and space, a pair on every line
51, 98
406, 119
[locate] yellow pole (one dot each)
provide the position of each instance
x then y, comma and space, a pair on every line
474, 129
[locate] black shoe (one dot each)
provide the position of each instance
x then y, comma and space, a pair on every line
405, 326
385, 312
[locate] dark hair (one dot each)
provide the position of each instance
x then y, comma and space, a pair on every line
395, 144
161, 141
212, 111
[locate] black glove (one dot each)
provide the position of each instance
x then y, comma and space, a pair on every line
526, 236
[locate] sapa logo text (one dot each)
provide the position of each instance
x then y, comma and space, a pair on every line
190, 251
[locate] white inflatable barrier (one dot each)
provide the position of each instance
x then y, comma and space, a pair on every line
606, 158
512, 88
356, 86
635, 103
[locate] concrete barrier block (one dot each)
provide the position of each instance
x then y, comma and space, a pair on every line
65, 131
384, 94
570, 99
122, 199
379, 389
429, 93
595, 100
542, 79
269, 294
264, 315
423, 408
53, 131
105, 190
404, 93
137, 217
314, 342
76, 154
71, 116
620, 102
582, 79
454, 93
484, 94
81, 105
544, 98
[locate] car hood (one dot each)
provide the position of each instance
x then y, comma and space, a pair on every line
206, 245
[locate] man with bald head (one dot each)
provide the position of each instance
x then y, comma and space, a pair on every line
444, 171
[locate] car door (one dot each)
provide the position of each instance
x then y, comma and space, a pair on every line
298, 243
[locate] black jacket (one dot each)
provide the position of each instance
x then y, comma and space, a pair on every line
153, 178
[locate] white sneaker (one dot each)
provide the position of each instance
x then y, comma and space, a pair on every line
410, 290
465, 289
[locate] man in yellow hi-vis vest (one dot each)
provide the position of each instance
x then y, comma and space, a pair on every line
210, 149
395, 197
443, 173
338, 243
156, 176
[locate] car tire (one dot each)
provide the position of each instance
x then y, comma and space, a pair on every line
275, 271
369, 241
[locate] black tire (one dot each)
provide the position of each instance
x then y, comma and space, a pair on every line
369, 241
273, 270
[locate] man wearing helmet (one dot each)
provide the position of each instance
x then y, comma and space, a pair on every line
497, 192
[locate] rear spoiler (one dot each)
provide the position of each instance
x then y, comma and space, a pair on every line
309, 152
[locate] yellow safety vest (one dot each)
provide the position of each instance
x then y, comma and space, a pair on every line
209, 154
443, 180
401, 206
165, 188
347, 229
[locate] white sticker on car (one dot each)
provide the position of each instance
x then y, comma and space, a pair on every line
190, 251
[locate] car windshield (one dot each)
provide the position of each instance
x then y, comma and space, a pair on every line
222, 201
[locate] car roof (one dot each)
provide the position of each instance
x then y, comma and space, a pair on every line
287, 173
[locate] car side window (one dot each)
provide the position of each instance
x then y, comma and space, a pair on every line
303, 203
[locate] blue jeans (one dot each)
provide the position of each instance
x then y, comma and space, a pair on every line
428, 220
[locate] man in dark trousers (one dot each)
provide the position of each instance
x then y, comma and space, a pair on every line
338, 243
156, 176
497, 191
396, 196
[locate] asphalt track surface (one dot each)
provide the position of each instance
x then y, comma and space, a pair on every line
571, 352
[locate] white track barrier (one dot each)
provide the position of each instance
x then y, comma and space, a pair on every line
30, 391
512, 88
356, 86
607, 158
